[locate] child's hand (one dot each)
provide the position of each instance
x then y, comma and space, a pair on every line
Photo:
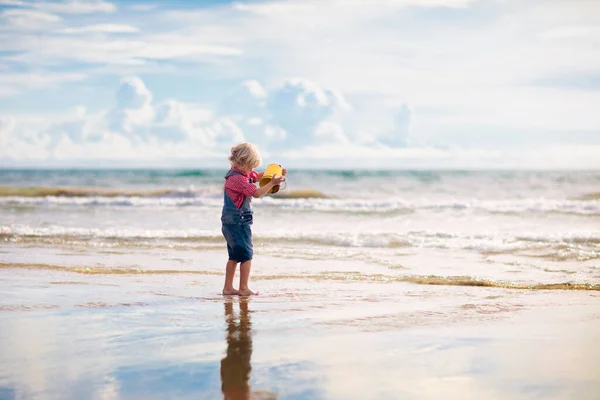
284, 172
277, 179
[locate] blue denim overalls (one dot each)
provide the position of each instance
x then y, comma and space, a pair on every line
236, 226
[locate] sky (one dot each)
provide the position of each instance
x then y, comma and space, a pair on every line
469, 84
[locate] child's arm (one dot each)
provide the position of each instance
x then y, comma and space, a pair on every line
276, 180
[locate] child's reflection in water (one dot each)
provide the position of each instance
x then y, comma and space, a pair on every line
235, 367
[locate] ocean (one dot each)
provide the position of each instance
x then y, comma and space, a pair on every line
373, 285
510, 228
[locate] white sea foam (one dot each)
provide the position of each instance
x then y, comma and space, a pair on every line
581, 245
59, 231
387, 206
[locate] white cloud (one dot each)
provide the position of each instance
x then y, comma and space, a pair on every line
133, 108
255, 89
179, 122
99, 50
226, 131
135, 129
41, 79
76, 7
136, 117
330, 132
102, 28
7, 126
40, 16
398, 136
178, 131
143, 7
295, 113
254, 121
77, 128
138, 129
247, 100
6, 91
14, 83
133, 93
343, 7
172, 123
12, 3
28, 19
572, 32
137, 120
21, 139
359, 156
275, 133
300, 106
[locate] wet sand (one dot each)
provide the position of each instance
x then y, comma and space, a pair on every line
69, 335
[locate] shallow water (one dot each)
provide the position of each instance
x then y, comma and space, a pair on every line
374, 284
154, 337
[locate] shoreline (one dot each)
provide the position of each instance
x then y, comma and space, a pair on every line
431, 280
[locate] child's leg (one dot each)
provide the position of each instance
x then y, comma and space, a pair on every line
244, 276
229, 275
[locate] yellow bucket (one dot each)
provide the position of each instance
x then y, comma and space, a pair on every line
272, 169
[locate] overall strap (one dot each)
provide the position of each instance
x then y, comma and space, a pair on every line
232, 173
227, 202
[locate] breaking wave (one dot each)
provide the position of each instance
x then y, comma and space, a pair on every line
590, 196
299, 200
57, 192
580, 246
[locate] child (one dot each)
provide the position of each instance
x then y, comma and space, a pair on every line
236, 217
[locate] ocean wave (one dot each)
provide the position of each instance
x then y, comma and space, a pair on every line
98, 195
194, 173
580, 246
312, 200
94, 233
589, 196
301, 194
400, 206
132, 236
337, 276
294, 200
591, 238
167, 200
17, 192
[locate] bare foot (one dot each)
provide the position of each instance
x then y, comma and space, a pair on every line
246, 292
230, 291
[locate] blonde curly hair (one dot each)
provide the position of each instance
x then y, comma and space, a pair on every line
245, 156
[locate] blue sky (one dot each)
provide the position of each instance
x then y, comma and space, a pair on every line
352, 83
